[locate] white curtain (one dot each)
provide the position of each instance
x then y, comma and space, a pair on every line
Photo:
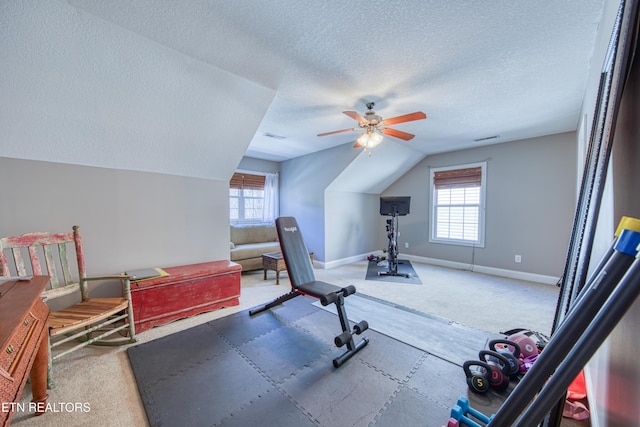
271, 199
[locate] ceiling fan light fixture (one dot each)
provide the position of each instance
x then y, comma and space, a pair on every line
363, 140
369, 139
374, 127
375, 139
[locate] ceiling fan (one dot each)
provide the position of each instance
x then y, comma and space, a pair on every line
373, 126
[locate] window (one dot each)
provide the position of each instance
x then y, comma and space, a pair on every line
458, 204
246, 197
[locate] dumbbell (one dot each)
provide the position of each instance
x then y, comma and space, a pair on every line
460, 410
459, 415
499, 365
513, 356
478, 379
452, 423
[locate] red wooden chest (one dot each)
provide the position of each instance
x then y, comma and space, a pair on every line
187, 290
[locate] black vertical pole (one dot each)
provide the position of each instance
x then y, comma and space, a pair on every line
626, 223
570, 330
622, 298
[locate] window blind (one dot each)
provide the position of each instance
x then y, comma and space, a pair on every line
247, 181
456, 178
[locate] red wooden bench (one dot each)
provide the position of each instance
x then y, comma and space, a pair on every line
187, 290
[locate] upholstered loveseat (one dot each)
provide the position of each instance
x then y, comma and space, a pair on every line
250, 241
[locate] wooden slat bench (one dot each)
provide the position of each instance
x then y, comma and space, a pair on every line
187, 290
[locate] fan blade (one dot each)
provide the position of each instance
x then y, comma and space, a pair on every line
337, 131
356, 116
357, 145
418, 115
397, 134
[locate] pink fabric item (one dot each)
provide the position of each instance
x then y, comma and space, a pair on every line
575, 410
577, 391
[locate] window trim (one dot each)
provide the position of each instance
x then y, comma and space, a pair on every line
252, 185
481, 214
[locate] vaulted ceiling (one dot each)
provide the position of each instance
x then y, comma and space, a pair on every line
483, 72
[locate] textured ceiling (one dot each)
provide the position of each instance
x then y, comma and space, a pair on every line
477, 69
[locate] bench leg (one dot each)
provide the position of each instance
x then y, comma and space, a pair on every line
352, 347
275, 302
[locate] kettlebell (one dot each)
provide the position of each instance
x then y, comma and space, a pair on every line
477, 379
527, 345
499, 378
502, 346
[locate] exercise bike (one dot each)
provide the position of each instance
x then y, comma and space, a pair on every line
393, 207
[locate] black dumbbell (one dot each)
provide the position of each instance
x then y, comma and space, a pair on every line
478, 375
499, 378
502, 346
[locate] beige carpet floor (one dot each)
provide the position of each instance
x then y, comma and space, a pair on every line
95, 386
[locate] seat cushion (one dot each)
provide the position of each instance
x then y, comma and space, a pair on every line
253, 250
241, 234
318, 289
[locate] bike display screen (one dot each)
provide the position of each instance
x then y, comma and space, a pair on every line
394, 205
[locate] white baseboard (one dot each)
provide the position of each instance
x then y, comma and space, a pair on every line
341, 262
511, 274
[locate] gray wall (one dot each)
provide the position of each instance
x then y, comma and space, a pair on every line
128, 219
530, 215
352, 220
258, 165
530, 202
303, 181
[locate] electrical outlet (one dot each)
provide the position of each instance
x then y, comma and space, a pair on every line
406, 245
518, 258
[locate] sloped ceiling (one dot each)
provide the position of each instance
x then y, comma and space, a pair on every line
503, 69
78, 89
375, 171
491, 71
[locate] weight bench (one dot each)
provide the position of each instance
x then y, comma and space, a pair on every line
303, 282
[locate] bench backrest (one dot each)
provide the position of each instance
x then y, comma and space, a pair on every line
46, 254
294, 252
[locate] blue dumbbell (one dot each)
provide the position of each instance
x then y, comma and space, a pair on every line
459, 415
463, 404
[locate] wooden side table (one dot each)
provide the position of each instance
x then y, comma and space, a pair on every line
274, 261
